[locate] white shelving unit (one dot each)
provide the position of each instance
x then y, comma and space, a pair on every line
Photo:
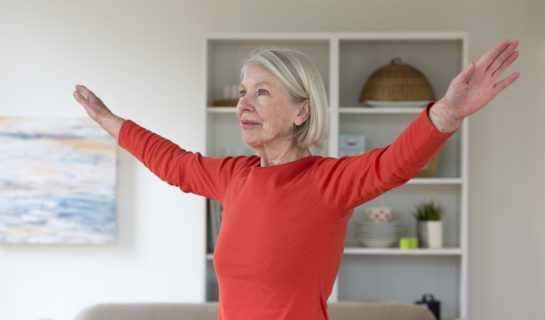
345, 61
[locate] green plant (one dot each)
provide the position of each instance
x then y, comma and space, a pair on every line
428, 211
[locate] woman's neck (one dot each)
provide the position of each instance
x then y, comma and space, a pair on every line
275, 156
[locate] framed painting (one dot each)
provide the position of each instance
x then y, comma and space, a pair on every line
57, 181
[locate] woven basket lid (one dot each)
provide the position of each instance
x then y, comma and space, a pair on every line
397, 81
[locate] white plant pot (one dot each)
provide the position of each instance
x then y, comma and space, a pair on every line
430, 234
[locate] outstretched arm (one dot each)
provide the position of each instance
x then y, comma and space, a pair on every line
475, 86
98, 111
350, 181
189, 171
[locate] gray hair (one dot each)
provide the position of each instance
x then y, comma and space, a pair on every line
303, 81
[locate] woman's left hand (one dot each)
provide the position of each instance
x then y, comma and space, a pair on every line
478, 84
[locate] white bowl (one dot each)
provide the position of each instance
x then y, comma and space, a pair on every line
378, 230
378, 243
369, 221
379, 236
378, 225
371, 233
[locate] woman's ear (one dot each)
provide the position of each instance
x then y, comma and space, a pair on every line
303, 113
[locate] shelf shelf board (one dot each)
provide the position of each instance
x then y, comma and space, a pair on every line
368, 110
343, 110
392, 251
221, 109
396, 251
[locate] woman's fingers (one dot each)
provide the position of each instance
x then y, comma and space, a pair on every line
86, 96
485, 61
502, 57
87, 99
79, 97
498, 72
498, 87
84, 91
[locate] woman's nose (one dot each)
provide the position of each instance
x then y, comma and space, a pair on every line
245, 103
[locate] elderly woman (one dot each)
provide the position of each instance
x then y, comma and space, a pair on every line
286, 210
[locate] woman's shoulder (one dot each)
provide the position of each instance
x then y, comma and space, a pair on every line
334, 163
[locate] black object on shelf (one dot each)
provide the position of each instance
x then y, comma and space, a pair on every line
434, 305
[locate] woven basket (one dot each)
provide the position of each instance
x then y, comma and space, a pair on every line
397, 81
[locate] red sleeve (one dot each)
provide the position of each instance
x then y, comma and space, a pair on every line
350, 181
191, 172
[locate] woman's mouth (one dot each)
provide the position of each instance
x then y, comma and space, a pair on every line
249, 124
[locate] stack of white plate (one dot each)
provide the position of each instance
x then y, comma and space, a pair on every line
378, 235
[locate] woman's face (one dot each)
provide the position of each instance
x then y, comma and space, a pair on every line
265, 109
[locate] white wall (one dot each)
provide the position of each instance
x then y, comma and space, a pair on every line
145, 59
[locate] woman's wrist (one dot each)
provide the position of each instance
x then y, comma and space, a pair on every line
112, 124
443, 119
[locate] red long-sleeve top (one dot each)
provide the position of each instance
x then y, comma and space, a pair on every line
283, 229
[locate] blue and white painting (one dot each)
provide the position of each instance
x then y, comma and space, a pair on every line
57, 181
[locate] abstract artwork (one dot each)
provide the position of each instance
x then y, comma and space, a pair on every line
57, 181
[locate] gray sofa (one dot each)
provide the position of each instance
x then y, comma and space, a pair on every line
345, 310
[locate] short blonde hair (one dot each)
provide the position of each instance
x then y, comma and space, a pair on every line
303, 81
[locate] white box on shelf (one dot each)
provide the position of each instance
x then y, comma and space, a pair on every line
351, 144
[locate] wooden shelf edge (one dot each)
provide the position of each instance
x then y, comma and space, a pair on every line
396, 251
368, 110
392, 251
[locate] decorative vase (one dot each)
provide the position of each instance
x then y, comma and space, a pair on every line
430, 234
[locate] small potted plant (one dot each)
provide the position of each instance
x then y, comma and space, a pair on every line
430, 227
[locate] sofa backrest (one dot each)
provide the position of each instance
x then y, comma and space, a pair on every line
356, 310
345, 310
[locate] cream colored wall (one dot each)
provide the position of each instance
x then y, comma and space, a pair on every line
144, 58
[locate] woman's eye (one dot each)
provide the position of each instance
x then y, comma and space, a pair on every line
242, 93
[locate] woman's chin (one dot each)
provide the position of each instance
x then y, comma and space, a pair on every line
252, 143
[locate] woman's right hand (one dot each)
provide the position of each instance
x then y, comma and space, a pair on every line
98, 111
95, 108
